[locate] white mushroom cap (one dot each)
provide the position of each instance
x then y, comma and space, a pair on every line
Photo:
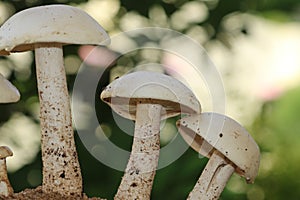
8, 92
5, 152
149, 87
46, 24
211, 131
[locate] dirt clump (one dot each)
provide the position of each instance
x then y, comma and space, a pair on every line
38, 194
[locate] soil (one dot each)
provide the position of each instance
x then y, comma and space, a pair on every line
38, 194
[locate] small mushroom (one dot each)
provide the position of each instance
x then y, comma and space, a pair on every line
5, 187
46, 29
147, 98
8, 92
229, 147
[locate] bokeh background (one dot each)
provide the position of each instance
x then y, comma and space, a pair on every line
255, 46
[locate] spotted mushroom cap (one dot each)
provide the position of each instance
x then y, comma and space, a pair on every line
8, 92
5, 152
50, 24
212, 131
124, 93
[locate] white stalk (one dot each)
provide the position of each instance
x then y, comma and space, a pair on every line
61, 170
213, 178
140, 171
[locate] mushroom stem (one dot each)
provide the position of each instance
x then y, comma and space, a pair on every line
61, 170
213, 178
5, 187
140, 171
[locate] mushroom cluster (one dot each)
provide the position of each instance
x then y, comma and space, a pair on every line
143, 96
147, 98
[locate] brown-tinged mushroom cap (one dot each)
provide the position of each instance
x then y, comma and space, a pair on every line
5, 152
124, 93
50, 24
8, 92
211, 131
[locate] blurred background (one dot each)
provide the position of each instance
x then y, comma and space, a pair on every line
253, 44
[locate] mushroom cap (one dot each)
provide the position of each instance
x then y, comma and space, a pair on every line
8, 92
5, 152
50, 24
124, 93
208, 132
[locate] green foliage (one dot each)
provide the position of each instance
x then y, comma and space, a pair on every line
277, 131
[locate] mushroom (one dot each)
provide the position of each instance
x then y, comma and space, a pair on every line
147, 98
5, 187
229, 147
8, 92
46, 29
